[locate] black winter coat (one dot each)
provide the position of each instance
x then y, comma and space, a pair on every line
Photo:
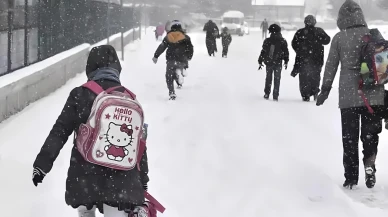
88, 184
178, 45
226, 39
308, 45
280, 53
211, 29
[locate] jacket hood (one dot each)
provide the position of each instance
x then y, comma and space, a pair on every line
276, 35
310, 21
175, 36
350, 15
103, 56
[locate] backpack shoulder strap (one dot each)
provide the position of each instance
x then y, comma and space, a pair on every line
126, 90
94, 87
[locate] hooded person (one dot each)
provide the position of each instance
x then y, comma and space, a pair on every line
264, 28
180, 51
346, 49
308, 45
212, 33
90, 186
168, 26
273, 53
226, 39
159, 31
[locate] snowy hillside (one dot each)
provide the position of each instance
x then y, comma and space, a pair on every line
219, 150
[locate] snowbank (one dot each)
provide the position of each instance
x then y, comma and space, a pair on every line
24, 86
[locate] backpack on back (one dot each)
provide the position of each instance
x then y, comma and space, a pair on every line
273, 52
374, 57
112, 135
374, 63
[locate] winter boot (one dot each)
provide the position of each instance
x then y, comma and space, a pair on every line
306, 99
370, 176
350, 184
179, 75
386, 124
172, 96
275, 98
266, 96
315, 97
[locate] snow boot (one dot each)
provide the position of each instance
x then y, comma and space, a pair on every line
179, 86
370, 176
275, 99
306, 99
172, 96
315, 97
266, 96
350, 184
386, 124
179, 75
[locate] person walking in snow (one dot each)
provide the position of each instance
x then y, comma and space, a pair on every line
159, 31
226, 40
308, 45
180, 51
167, 27
345, 49
90, 186
274, 52
212, 33
264, 28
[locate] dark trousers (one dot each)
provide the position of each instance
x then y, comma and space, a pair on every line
273, 71
264, 34
171, 74
371, 127
225, 49
211, 45
309, 80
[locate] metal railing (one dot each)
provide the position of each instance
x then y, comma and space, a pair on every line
34, 30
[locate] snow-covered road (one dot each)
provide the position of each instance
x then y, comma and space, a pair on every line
220, 149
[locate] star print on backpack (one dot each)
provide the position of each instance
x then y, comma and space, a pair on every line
112, 136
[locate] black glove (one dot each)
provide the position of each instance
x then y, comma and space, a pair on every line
294, 73
260, 66
145, 187
37, 175
323, 95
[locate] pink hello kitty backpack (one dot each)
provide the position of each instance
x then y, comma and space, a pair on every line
112, 134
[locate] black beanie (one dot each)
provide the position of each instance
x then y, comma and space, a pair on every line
274, 28
310, 20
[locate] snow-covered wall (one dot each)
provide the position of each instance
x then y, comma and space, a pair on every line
27, 85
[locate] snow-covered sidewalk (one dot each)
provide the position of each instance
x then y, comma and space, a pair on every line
220, 149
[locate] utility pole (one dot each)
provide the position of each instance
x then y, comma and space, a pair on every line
122, 29
107, 22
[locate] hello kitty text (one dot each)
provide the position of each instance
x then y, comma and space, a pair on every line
123, 114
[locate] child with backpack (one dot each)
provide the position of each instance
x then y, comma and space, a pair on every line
108, 167
179, 52
226, 40
274, 52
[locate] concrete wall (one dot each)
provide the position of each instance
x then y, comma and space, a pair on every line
45, 77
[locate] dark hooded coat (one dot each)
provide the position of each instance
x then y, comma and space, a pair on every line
178, 45
346, 49
88, 184
212, 33
308, 46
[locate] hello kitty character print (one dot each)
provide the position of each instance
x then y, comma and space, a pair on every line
118, 137
112, 135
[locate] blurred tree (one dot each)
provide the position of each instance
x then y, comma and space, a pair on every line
317, 7
335, 6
